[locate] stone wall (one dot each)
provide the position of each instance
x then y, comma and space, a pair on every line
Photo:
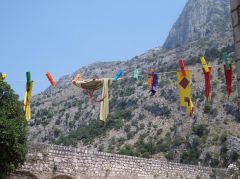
235, 12
51, 161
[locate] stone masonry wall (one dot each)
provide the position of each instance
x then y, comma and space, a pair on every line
235, 12
51, 161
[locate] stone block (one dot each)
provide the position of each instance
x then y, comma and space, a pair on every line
235, 18
237, 47
236, 31
234, 4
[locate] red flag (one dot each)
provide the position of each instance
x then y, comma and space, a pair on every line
207, 76
228, 76
182, 67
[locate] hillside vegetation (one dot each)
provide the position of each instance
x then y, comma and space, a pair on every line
145, 126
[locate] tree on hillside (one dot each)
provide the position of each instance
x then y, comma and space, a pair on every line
13, 131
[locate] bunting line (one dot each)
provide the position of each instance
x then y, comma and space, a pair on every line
128, 76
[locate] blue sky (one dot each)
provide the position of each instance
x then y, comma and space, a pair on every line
60, 36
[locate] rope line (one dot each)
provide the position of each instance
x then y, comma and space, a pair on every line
141, 75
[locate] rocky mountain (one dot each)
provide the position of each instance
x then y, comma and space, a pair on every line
146, 126
200, 19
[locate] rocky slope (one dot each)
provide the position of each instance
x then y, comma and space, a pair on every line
200, 19
147, 126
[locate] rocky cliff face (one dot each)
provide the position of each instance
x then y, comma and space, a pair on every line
200, 19
146, 126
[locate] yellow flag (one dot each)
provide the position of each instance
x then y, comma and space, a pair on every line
204, 64
3, 76
27, 101
184, 86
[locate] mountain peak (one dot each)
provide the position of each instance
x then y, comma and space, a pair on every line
200, 19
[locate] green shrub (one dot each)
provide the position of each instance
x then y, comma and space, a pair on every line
134, 123
44, 122
223, 137
121, 140
127, 128
101, 148
71, 124
209, 160
190, 157
144, 149
121, 114
114, 123
58, 122
130, 135
208, 109
149, 124
200, 130
13, 132
142, 126
127, 150
113, 141
169, 155
178, 141
110, 148
89, 132
159, 131
67, 115
127, 92
57, 132
164, 146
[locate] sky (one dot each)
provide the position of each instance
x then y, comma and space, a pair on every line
60, 36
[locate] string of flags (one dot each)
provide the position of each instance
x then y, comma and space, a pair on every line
90, 86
